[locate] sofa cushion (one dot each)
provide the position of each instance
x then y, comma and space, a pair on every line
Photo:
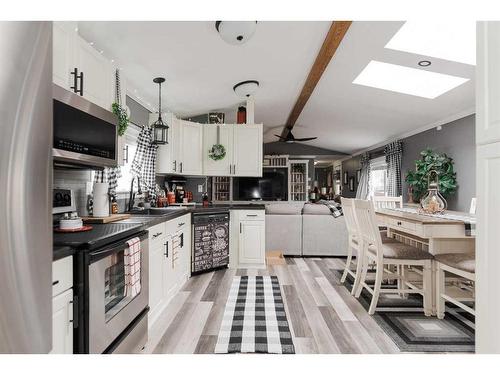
464, 262
316, 209
283, 209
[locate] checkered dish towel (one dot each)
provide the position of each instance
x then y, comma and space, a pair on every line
132, 260
144, 163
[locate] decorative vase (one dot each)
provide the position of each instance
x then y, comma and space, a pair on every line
433, 202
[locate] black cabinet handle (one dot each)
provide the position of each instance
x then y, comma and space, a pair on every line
175, 166
125, 155
166, 249
252, 215
182, 239
157, 234
180, 165
75, 312
77, 77
55, 282
240, 227
180, 224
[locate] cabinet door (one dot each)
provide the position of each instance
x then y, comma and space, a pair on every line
191, 162
164, 154
62, 323
184, 262
247, 150
96, 72
252, 242
63, 63
157, 268
221, 167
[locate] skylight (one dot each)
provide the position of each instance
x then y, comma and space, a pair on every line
406, 80
448, 40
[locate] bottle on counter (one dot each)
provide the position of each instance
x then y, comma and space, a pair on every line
114, 206
205, 200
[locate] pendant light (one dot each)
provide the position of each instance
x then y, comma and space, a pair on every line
160, 129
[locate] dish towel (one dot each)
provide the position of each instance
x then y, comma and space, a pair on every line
132, 260
111, 176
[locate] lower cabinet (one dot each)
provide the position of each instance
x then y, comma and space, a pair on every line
248, 239
62, 306
169, 259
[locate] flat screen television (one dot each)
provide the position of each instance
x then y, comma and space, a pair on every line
272, 186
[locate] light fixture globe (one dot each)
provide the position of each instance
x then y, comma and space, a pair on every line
246, 89
236, 32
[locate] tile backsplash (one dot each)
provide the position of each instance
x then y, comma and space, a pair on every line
75, 180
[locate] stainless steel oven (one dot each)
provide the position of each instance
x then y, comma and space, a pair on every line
117, 319
84, 133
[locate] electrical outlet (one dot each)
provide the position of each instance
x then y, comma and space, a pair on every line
200, 188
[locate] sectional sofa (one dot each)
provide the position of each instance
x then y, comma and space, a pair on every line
305, 230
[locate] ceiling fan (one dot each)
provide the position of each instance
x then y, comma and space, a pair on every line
291, 139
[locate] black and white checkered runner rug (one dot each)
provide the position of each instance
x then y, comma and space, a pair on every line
254, 319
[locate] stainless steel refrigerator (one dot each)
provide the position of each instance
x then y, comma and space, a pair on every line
25, 187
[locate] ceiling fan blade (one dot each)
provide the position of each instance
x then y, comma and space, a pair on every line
305, 139
280, 137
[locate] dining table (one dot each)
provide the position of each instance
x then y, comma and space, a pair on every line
449, 232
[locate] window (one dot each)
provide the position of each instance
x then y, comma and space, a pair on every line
130, 147
378, 177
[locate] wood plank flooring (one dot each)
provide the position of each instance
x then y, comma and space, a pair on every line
323, 316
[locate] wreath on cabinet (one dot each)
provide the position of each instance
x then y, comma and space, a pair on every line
218, 151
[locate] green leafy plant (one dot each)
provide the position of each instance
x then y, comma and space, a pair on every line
123, 119
442, 164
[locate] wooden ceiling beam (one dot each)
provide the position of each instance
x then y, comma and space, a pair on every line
337, 31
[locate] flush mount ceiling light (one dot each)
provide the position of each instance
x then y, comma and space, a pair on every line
236, 32
406, 80
424, 63
246, 89
448, 40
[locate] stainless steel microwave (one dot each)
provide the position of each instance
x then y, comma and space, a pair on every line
84, 133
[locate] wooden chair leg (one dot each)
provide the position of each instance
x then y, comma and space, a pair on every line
376, 288
359, 269
362, 276
427, 288
347, 264
440, 288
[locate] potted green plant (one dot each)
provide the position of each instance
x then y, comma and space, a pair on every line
442, 164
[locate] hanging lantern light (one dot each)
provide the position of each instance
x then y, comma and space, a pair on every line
160, 129
433, 202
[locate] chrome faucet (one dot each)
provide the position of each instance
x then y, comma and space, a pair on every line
131, 199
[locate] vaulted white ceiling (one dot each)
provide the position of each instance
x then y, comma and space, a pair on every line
201, 70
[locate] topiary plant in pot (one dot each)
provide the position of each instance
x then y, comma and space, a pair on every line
442, 164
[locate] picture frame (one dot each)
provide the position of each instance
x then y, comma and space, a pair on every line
346, 178
216, 118
358, 176
351, 183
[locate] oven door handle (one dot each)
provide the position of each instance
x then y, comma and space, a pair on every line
106, 251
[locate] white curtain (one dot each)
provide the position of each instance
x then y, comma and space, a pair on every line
364, 181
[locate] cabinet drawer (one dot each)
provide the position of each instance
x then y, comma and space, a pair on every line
406, 225
62, 275
157, 234
252, 215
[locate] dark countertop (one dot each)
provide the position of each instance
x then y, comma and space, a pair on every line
60, 252
66, 244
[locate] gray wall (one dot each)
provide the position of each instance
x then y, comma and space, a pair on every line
351, 166
457, 140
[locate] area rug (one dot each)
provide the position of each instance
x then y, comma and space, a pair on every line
403, 320
254, 319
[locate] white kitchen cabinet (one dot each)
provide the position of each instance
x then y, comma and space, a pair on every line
191, 143
62, 323
247, 150
70, 52
224, 166
243, 145
247, 239
96, 70
62, 306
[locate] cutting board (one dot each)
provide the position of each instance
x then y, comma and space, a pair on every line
105, 220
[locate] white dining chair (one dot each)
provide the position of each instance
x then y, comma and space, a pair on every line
453, 265
387, 254
353, 243
387, 202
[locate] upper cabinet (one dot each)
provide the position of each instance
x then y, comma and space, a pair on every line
190, 156
243, 144
80, 68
